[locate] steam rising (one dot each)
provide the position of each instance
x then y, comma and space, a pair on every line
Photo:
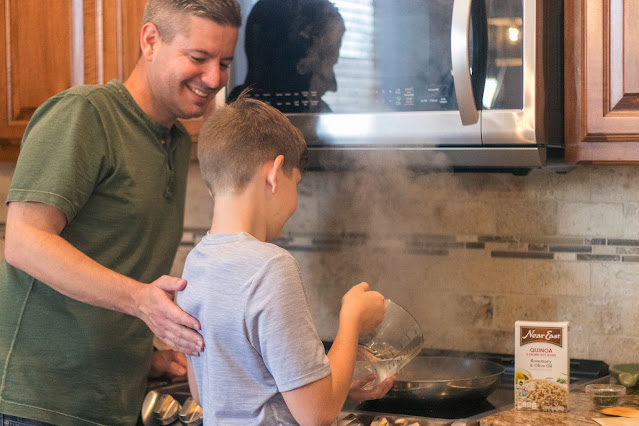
376, 211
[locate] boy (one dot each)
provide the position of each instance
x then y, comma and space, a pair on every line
264, 362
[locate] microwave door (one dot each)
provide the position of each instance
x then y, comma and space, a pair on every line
379, 73
413, 94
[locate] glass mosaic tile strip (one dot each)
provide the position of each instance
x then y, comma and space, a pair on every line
558, 248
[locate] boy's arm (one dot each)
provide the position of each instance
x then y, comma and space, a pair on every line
320, 402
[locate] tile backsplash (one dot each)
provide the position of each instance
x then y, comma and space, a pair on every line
468, 254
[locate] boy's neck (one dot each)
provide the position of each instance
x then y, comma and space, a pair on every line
237, 213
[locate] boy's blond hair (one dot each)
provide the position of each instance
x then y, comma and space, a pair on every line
171, 16
237, 139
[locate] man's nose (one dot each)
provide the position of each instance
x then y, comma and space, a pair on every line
212, 77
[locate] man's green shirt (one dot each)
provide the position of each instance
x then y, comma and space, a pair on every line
95, 155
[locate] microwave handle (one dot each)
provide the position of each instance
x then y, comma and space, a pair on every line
459, 36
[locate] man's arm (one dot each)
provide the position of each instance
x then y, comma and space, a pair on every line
33, 244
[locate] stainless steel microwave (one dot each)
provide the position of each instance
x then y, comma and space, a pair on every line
466, 84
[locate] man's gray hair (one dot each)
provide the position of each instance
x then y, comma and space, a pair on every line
170, 16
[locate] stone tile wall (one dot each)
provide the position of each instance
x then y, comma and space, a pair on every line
467, 254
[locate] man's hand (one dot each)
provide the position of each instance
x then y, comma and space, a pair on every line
166, 320
359, 394
168, 363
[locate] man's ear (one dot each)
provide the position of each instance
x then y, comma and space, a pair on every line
149, 36
272, 171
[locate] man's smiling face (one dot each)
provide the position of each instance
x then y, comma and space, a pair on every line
187, 72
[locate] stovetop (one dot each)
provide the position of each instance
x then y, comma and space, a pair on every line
370, 413
440, 413
455, 413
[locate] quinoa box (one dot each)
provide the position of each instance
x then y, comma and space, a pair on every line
542, 366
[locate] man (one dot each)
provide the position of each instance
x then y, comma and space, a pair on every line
95, 213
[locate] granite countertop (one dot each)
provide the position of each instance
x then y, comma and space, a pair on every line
581, 411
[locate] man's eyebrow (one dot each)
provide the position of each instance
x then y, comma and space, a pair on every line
205, 53
202, 51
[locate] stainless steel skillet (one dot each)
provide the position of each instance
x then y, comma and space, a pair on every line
442, 378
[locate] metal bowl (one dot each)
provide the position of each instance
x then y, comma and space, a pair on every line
441, 378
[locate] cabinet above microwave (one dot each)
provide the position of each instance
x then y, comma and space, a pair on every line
462, 84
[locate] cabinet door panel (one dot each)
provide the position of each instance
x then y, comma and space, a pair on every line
132, 14
623, 16
111, 33
625, 67
37, 55
602, 81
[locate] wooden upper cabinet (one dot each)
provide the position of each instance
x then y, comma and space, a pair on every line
32, 65
602, 81
111, 34
47, 46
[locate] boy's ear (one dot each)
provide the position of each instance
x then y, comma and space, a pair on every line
272, 171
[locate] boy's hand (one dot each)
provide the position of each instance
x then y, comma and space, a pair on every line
358, 393
363, 306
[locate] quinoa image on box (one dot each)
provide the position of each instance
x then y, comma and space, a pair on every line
542, 366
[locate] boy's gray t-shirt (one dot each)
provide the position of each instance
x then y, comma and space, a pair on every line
259, 336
